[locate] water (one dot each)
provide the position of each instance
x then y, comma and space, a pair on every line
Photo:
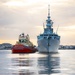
61, 63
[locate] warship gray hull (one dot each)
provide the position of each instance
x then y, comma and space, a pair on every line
45, 45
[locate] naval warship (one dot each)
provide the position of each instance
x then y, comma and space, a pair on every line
48, 41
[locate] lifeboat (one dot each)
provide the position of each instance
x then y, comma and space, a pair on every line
24, 45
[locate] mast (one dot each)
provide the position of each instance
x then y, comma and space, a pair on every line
49, 21
48, 10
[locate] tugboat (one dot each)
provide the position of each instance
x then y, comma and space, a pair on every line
24, 45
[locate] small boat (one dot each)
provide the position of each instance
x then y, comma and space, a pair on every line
24, 45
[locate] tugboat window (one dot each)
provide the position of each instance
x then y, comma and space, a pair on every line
19, 40
22, 41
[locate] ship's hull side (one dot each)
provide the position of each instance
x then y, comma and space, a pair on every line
48, 45
23, 49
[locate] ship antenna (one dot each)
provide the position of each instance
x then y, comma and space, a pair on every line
57, 29
43, 26
48, 10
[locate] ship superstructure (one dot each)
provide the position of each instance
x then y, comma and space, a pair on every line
48, 41
24, 39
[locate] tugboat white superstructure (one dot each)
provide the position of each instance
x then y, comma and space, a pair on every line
48, 41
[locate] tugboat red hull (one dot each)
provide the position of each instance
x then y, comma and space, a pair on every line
23, 49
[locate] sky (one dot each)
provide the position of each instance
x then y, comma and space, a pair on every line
28, 16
